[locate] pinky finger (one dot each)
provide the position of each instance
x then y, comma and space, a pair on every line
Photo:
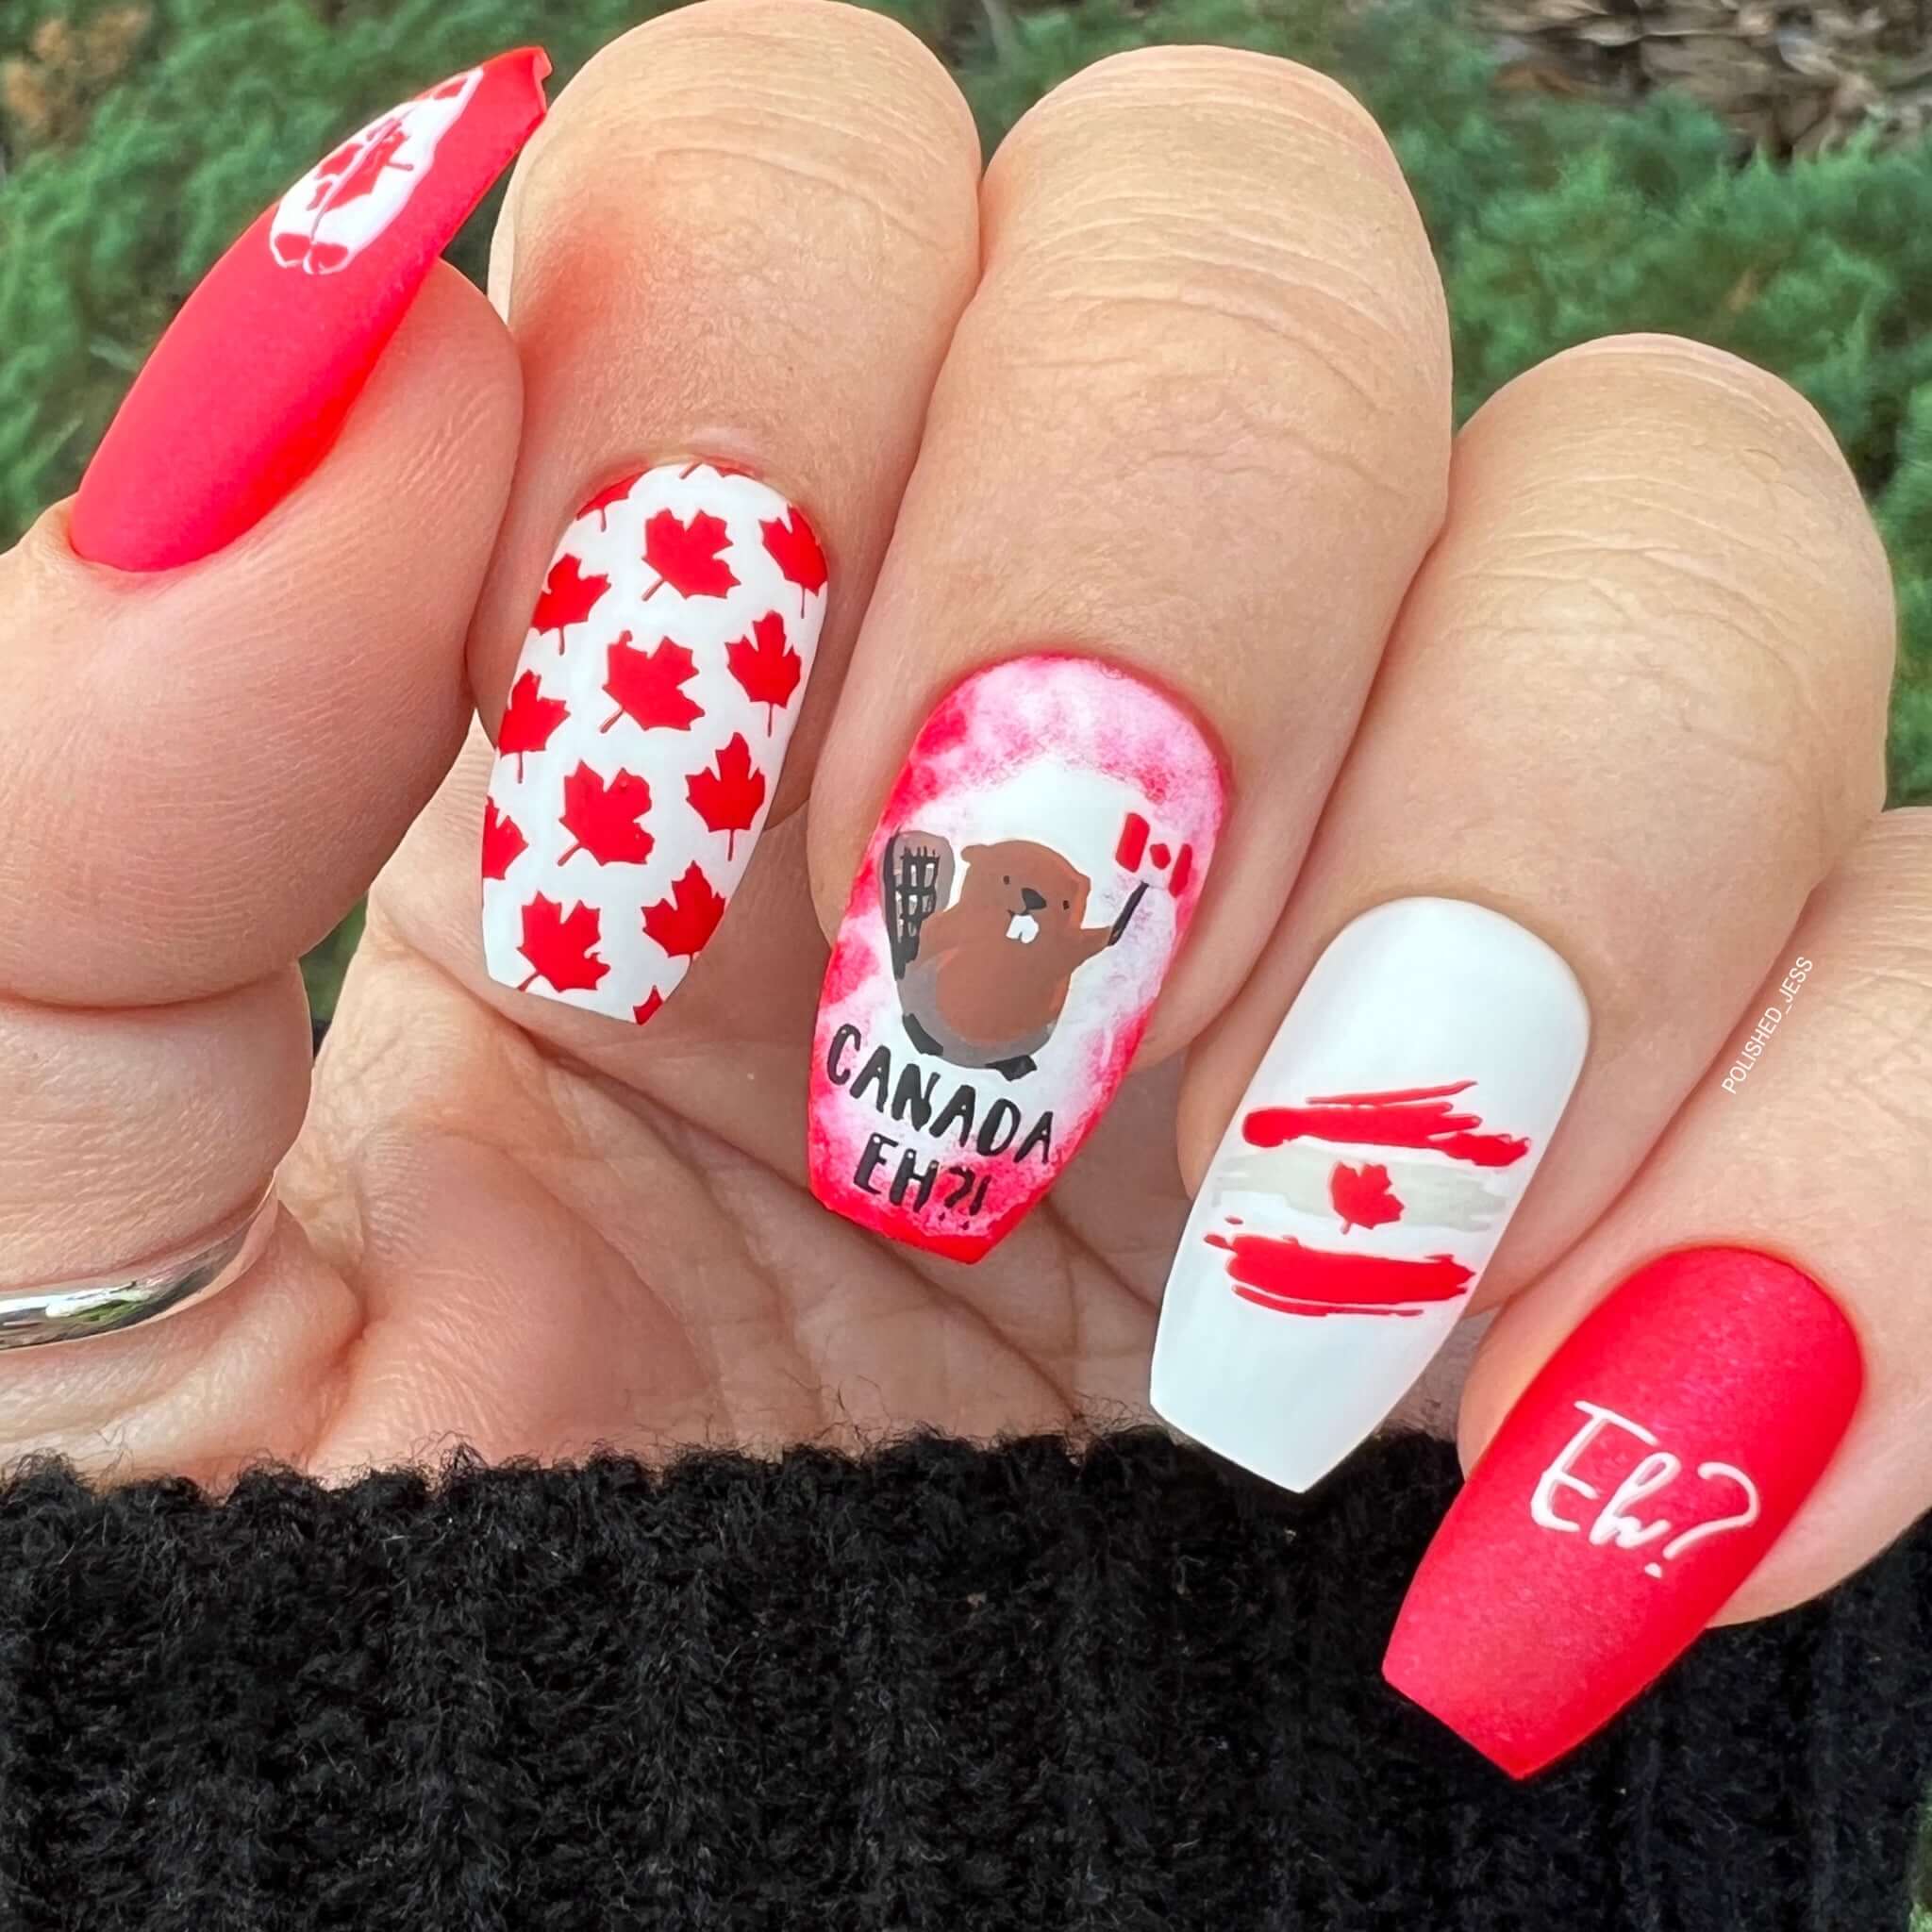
1720, 1403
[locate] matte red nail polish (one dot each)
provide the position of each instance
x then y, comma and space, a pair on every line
247, 389
1639, 1480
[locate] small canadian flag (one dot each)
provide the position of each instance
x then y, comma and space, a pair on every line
1159, 861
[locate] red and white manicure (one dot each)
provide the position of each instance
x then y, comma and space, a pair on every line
247, 391
1382, 1146
1637, 1483
639, 753
1011, 922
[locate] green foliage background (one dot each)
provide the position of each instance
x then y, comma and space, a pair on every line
1554, 219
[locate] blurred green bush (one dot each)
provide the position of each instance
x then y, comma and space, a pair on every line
141, 138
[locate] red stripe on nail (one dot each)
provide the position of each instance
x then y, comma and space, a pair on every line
1408, 1117
1282, 1270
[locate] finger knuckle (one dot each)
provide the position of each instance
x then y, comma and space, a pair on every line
842, 108
1203, 83
1136, 234
1690, 519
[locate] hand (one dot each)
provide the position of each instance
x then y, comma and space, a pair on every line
1168, 389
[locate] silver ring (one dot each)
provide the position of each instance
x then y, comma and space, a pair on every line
105, 1304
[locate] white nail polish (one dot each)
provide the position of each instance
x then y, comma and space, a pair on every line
641, 748
1364, 1182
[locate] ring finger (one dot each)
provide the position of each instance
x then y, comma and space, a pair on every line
1632, 714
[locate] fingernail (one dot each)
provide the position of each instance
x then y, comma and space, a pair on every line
638, 755
247, 389
1638, 1481
1012, 921
1364, 1182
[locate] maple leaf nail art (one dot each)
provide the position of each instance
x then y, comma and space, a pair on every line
648, 685
561, 947
727, 797
503, 843
766, 668
683, 923
665, 666
529, 720
796, 552
686, 555
569, 597
602, 817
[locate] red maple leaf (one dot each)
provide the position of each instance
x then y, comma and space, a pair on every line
1362, 1195
503, 843
352, 172
647, 684
529, 720
652, 1001
568, 595
728, 799
685, 556
795, 550
685, 921
602, 818
558, 945
768, 670
333, 164
603, 500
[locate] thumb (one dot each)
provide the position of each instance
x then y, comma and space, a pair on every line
200, 769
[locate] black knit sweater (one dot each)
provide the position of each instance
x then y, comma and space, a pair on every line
941, 1688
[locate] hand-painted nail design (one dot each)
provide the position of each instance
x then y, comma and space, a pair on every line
1010, 927
1639, 1480
639, 753
1364, 1183
247, 389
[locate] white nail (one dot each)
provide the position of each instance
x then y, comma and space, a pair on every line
1364, 1182
639, 750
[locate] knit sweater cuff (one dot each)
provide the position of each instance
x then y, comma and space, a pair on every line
1107, 1686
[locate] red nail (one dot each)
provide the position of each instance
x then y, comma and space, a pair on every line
247, 389
1636, 1484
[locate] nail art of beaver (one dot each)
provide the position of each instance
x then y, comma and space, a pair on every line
983, 979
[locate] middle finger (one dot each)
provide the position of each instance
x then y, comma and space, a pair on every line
1189, 445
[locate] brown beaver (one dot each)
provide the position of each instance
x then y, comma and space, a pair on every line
982, 981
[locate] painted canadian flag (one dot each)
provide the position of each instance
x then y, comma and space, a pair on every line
1163, 860
352, 195
1393, 1124
1419, 1160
